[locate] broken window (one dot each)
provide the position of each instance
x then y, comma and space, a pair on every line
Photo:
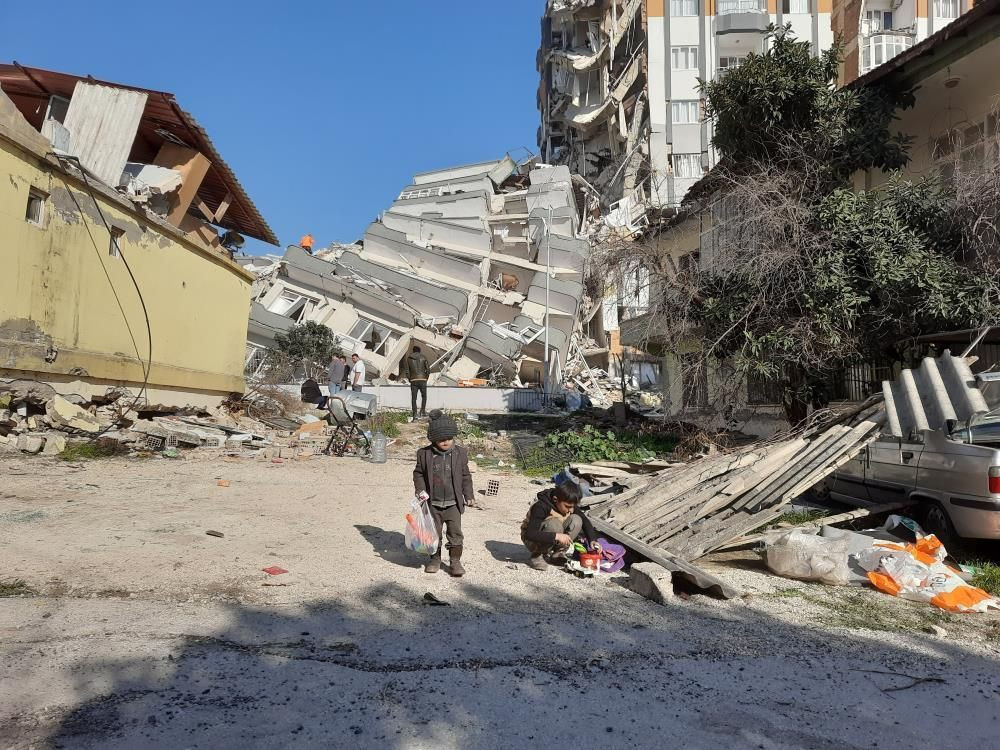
114, 249
374, 336
684, 58
256, 357
684, 112
687, 165
34, 213
288, 304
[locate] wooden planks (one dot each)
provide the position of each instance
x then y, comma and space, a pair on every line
685, 512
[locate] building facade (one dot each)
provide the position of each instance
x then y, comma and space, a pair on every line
619, 94
110, 282
876, 31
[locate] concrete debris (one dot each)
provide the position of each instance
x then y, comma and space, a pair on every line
54, 444
64, 414
651, 581
30, 443
481, 265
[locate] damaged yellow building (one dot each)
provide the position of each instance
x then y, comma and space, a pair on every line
114, 272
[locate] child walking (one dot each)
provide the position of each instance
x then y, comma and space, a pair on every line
442, 472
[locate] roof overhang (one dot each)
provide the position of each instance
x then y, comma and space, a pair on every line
163, 121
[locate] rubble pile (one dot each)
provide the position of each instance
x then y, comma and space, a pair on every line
36, 420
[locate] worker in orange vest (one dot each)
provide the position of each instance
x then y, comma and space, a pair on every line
306, 243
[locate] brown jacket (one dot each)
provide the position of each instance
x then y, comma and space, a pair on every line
461, 477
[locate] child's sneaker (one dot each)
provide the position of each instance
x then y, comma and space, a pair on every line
537, 562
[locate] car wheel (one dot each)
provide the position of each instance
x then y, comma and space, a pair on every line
936, 521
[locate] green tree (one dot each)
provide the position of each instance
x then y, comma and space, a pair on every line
310, 344
807, 274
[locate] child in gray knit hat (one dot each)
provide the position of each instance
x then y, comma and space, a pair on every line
442, 475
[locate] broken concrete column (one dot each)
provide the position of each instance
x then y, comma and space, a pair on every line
651, 581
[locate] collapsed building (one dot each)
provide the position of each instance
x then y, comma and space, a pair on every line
483, 266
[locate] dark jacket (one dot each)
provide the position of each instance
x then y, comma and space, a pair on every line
460, 474
310, 392
543, 508
415, 367
346, 378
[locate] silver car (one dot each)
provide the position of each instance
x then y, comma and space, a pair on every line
954, 479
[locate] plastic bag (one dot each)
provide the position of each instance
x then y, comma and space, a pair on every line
420, 533
917, 572
808, 557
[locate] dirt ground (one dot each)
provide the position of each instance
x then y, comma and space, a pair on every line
140, 630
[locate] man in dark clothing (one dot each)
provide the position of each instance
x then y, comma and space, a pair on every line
311, 394
416, 369
346, 382
553, 523
442, 476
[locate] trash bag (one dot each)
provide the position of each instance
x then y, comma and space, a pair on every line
420, 533
808, 557
917, 572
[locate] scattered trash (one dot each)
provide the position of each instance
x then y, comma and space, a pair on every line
937, 630
429, 598
219, 534
806, 556
916, 571
274, 570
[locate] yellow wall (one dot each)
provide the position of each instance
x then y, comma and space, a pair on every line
60, 287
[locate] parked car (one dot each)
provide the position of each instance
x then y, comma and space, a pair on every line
953, 479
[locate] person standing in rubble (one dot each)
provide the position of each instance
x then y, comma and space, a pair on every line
443, 479
357, 373
336, 374
416, 369
306, 243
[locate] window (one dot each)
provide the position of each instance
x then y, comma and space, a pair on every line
289, 304
425, 193
689, 263
35, 211
685, 112
114, 249
687, 165
882, 47
795, 6
729, 62
724, 7
373, 335
876, 21
946, 8
684, 58
683, 8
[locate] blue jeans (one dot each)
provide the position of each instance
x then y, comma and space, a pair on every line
334, 389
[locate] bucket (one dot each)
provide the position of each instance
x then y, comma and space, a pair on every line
590, 560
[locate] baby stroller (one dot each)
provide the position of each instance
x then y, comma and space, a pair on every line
348, 434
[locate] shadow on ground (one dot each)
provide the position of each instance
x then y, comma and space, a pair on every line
507, 551
498, 670
389, 545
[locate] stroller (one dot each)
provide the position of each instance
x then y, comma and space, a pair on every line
348, 433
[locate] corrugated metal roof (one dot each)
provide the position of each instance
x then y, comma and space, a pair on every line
30, 88
926, 398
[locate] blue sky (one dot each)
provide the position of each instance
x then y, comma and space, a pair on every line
323, 109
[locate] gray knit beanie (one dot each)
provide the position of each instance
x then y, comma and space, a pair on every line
442, 427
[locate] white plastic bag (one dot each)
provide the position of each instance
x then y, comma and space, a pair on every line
808, 557
421, 533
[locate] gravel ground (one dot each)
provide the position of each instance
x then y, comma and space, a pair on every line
143, 631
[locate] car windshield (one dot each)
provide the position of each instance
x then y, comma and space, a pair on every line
986, 432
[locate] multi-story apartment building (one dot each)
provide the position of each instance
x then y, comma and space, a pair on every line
619, 96
875, 31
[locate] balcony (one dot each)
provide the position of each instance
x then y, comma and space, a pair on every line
741, 16
881, 47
